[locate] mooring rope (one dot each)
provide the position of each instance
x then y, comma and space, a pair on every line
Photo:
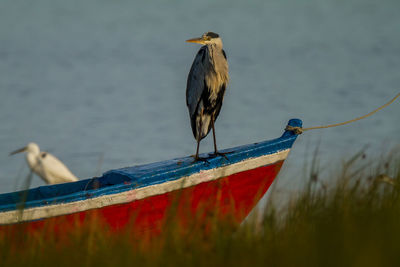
300, 130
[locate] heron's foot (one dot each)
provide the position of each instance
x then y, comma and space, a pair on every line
222, 154
197, 159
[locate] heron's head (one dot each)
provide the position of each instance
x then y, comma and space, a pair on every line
30, 148
206, 38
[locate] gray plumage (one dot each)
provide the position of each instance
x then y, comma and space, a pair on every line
206, 85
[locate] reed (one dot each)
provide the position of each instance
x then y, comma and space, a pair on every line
351, 218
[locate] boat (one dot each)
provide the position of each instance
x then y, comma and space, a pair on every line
141, 197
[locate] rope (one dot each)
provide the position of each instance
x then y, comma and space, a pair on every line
300, 130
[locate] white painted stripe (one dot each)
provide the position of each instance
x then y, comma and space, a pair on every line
35, 213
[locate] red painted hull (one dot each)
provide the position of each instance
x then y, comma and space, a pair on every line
230, 198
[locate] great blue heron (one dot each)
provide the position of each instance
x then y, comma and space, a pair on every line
206, 86
45, 165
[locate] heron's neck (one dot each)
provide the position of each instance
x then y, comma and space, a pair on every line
215, 51
216, 57
216, 45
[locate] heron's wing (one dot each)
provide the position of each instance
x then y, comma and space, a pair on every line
196, 81
55, 170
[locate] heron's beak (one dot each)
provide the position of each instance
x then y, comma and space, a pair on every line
196, 40
18, 151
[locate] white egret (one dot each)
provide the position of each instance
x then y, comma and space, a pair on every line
45, 165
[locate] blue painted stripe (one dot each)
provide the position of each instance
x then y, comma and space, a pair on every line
124, 179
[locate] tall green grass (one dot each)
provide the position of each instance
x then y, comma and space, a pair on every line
351, 218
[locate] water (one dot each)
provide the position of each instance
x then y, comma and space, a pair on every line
101, 84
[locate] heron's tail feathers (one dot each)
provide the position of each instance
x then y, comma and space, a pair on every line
201, 125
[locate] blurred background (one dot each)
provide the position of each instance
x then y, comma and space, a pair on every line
101, 84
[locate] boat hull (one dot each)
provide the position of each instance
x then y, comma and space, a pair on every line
143, 198
228, 199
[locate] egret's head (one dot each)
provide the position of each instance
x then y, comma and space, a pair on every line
30, 148
207, 38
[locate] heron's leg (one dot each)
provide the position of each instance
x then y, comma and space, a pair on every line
196, 157
216, 152
215, 141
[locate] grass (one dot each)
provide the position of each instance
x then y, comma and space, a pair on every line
349, 219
